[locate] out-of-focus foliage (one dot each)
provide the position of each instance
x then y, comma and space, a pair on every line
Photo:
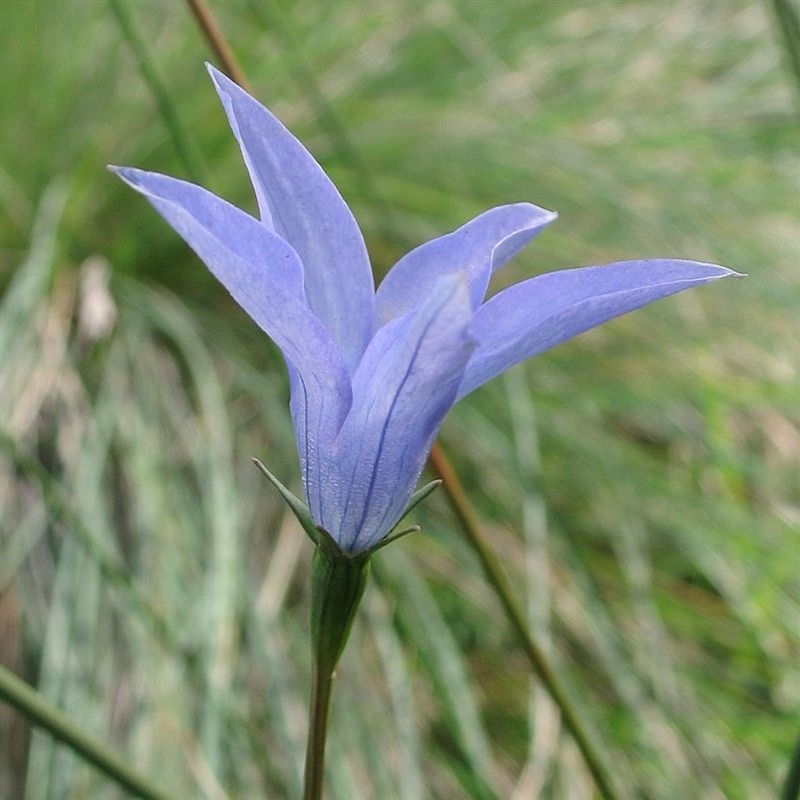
640, 483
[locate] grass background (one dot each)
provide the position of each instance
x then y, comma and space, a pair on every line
640, 483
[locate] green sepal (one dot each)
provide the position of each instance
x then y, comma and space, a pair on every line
299, 508
393, 537
338, 581
420, 495
415, 500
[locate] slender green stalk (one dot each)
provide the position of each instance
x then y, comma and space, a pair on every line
317, 731
40, 712
338, 582
539, 661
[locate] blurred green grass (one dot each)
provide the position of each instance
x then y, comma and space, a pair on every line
641, 482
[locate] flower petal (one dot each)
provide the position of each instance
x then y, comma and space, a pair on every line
539, 313
301, 204
405, 385
264, 275
476, 248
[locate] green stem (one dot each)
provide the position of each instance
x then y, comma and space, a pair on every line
337, 586
40, 712
539, 661
317, 731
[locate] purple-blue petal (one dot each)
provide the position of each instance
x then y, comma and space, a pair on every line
194, 211
476, 249
301, 204
544, 311
402, 390
263, 274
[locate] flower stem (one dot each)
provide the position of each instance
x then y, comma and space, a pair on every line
337, 586
317, 730
40, 712
539, 661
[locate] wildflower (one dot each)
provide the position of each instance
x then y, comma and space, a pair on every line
373, 374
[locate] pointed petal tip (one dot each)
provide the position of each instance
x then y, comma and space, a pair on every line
222, 83
718, 271
118, 171
136, 178
212, 71
676, 269
537, 215
538, 219
539, 211
544, 213
129, 175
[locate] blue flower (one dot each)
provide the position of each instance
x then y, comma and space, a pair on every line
373, 373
